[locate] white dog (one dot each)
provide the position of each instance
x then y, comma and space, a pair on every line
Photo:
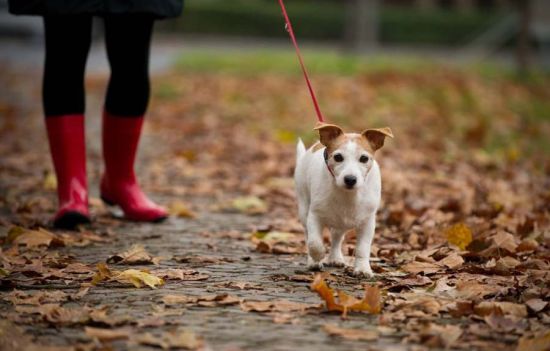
338, 187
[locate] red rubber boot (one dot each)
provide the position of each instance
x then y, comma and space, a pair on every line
119, 184
68, 150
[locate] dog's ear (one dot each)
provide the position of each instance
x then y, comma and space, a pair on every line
376, 137
328, 132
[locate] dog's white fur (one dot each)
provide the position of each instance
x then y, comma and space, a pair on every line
324, 201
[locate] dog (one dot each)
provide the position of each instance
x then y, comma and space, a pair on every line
338, 187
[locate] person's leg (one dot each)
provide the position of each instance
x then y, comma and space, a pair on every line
67, 42
128, 39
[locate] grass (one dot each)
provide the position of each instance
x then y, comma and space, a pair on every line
285, 62
486, 106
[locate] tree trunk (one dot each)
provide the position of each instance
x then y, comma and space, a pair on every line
523, 47
362, 25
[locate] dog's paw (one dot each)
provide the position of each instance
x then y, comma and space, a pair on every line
335, 262
361, 272
316, 250
315, 266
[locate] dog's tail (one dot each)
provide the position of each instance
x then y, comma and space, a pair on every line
300, 150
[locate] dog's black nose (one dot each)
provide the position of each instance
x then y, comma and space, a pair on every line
350, 181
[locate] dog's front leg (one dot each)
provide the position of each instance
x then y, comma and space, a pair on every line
365, 233
315, 246
335, 257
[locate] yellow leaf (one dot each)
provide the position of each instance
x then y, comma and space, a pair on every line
371, 302
181, 209
274, 236
250, 205
459, 235
103, 273
137, 277
50, 181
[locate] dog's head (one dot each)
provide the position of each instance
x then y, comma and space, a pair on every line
350, 155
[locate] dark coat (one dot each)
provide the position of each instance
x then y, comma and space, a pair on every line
156, 8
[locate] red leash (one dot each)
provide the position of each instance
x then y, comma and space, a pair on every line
293, 38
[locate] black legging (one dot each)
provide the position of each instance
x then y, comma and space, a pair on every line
68, 40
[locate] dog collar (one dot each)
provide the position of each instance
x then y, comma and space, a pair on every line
325, 155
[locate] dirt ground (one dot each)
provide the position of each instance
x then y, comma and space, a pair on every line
461, 246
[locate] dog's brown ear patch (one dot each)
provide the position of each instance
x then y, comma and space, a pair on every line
376, 137
328, 132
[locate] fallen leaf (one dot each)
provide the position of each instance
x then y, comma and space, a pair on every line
50, 181
130, 276
181, 209
351, 334
18, 297
501, 323
181, 274
136, 254
249, 205
486, 308
501, 244
417, 267
243, 285
278, 305
107, 334
34, 238
177, 339
103, 273
506, 264
204, 301
536, 305
459, 235
138, 278
178, 299
435, 335
371, 302
540, 342
452, 261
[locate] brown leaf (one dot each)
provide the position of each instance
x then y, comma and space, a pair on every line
243, 286
351, 334
505, 241
500, 323
107, 334
452, 261
506, 264
181, 274
278, 305
417, 267
536, 305
17, 297
486, 308
204, 301
34, 238
540, 342
473, 290
136, 254
440, 335
177, 339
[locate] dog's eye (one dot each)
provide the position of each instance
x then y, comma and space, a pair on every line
364, 159
338, 158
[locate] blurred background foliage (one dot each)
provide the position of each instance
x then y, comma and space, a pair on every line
327, 20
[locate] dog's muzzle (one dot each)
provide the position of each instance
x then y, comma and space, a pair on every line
350, 181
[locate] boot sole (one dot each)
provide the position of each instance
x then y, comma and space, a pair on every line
70, 220
111, 203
